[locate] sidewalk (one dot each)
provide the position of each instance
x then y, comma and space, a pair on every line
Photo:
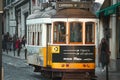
112, 75
11, 53
14, 60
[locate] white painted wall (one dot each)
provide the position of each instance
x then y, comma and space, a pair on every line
113, 40
24, 9
44, 29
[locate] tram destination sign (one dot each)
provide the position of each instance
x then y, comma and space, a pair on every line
61, 5
71, 54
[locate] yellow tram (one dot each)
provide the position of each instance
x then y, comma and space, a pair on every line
63, 44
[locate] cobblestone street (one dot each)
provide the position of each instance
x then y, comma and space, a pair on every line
14, 64
16, 68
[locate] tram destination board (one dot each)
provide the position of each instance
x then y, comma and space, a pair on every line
75, 54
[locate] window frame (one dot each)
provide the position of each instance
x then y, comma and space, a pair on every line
65, 23
81, 34
34, 34
93, 25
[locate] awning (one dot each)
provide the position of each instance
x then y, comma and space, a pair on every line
109, 10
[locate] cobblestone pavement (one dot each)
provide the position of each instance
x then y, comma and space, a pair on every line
16, 68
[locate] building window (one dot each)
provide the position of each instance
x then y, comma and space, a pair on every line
59, 32
90, 32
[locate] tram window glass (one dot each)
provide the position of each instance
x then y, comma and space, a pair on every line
75, 32
90, 32
39, 34
34, 34
28, 29
33, 39
38, 39
30, 34
59, 32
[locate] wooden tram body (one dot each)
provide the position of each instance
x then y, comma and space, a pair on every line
64, 43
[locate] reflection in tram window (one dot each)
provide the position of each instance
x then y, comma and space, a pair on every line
59, 32
90, 33
75, 32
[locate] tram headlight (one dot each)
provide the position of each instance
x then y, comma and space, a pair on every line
55, 49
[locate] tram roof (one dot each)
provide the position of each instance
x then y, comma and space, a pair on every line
47, 13
74, 13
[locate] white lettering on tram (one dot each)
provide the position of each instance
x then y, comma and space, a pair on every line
76, 58
67, 58
71, 50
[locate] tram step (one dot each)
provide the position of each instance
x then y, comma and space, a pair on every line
75, 76
76, 79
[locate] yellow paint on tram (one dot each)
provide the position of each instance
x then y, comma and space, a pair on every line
73, 65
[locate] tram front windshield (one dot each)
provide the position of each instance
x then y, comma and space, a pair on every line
73, 32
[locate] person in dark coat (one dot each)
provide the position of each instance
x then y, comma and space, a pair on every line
23, 40
14, 42
6, 42
104, 53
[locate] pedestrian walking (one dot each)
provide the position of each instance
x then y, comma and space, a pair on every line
18, 46
3, 43
23, 41
14, 42
6, 41
10, 41
104, 53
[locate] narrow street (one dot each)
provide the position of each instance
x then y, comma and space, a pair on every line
17, 69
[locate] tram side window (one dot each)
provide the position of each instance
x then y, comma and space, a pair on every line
59, 33
39, 34
75, 32
30, 34
34, 34
90, 32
